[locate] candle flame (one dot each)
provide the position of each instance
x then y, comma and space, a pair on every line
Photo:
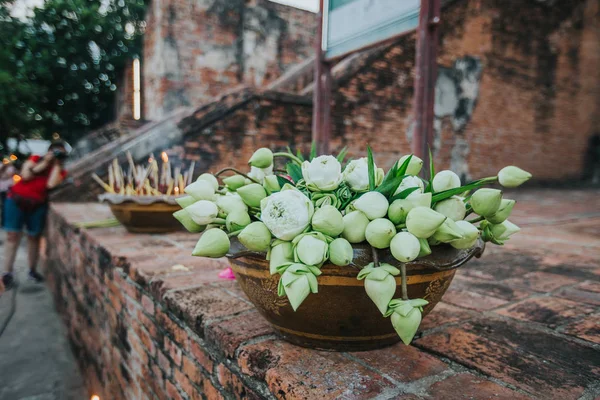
176, 190
13, 157
5, 161
164, 156
95, 397
16, 178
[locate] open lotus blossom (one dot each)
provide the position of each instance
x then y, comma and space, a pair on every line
322, 212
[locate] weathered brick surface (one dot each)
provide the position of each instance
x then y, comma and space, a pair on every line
521, 322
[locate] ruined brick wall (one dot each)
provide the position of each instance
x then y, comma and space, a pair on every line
535, 103
194, 50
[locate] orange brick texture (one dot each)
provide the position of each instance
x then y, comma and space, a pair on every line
148, 321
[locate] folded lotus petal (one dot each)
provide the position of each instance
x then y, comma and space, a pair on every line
418, 302
381, 292
314, 270
406, 326
389, 268
297, 290
365, 272
280, 255
313, 283
402, 307
378, 274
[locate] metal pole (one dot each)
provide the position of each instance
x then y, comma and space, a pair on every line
317, 90
426, 75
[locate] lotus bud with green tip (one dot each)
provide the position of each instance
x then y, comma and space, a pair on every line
311, 248
372, 204
280, 256
328, 220
186, 220
341, 252
322, 199
297, 282
506, 206
414, 165
323, 173
356, 175
453, 208
231, 203
203, 212
448, 232
398, 210
236, 220
355, 226
262, 158
406, 317
410, 182
405, 247
185, 201
213, 243
512, 176
271, 184
504, 230
445, 180
470, 235
234, 182
486, 202
425, 249
201, 190
423, 222
380, 284
255, 237
210, 178
379, 233
252, 194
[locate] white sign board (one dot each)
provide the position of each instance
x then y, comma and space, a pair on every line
349, 25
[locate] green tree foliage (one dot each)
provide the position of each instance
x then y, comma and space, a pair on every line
59, 69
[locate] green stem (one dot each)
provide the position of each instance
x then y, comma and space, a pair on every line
403, 275
401, 226
290, 156
218, 221
375, 256
237, 172
475, 220
234, 233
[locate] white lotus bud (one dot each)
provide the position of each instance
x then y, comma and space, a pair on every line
512, 176
328, 220
203, 212
262, 158
311, 249
255, 236
405, 247
213, 243
341, 252
423, 222
355, 226
379, 233
201, 190
185, 201
252, 194
470, 235
486, 202
271, 184
229, 204
186, 220
237, 220
453, 208
210, 178
372, 204
504, 230
234, 182
323, 173
503, 212
448, 232
414, 166
410, 182
445, 180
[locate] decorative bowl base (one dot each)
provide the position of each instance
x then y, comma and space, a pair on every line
341, 317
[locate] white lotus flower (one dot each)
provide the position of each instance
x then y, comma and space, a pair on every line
287, 213
322, 173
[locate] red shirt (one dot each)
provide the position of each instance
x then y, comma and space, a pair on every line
35, 188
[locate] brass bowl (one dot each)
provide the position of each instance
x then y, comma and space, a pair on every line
341, 317
144, 214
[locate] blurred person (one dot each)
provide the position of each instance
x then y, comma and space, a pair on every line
26, 206
7, 172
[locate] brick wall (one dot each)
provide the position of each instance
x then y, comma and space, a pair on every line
194, 50
538, 99
148, 321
